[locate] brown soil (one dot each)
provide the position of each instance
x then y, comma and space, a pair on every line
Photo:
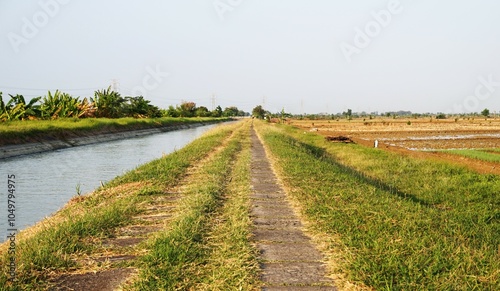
289, 260
103, 280
420, 138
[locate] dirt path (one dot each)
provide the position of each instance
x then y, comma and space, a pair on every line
289, 260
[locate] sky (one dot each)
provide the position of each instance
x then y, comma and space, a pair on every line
314, 56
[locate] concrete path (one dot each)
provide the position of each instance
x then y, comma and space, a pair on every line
289, 260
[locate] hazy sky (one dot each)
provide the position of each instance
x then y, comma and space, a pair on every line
304, 56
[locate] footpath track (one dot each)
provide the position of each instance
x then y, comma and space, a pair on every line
289, 260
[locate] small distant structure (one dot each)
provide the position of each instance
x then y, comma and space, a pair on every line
375, 144
339, 138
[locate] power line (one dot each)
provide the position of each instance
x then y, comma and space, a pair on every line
46, 89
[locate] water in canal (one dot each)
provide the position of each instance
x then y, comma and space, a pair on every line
45, 182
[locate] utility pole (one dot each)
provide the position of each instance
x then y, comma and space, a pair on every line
115, 85
213, 99
264, 102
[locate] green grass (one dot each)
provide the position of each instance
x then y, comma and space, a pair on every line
207, 246
489, 155
231, 261
400, 223
16, 132
51, 248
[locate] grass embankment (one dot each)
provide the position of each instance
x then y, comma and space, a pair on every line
398, 223
195, 240
207, 246
489, 155
19, 132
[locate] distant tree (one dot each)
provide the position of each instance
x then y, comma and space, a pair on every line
171, 112
139, 107
348, 114
230, 111
441, 116
217, 112
485, 112
259, 112
108, 103
202, 111
187, 109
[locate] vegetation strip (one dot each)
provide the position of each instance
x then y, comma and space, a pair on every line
489, 155
287, 254
394, 222
54, 245
183, 256
22, 132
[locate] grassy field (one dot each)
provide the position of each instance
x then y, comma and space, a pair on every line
386, 221
489, 155
16, 132
397, 223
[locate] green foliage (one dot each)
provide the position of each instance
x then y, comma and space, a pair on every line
217, 112
491, 155
59, 105
17, 108
259, 112
230, 111
108, 103
187, 109
485, 112
202, 111
170, 112
139, 107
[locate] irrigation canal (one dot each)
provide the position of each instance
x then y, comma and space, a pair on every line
45, 182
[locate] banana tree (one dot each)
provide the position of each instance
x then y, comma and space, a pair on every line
59, 104
108, 103
18, 109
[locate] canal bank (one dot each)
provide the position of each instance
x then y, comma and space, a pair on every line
48, 180
48, 143
108, 235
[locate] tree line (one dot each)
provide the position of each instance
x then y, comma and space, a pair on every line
105, 103
189, 109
